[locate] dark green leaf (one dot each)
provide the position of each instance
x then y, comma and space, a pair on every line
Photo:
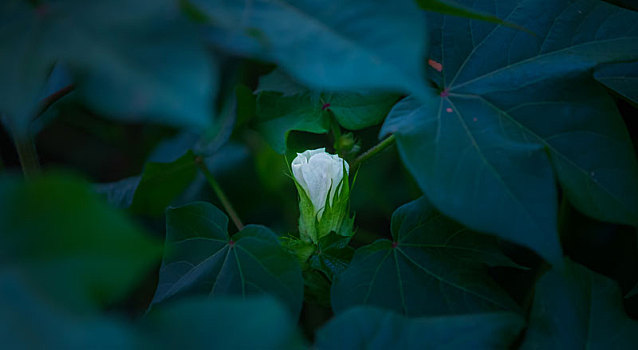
279, 114
478, 146
283, 106
225, 323
29, 320
161, 183
24, 65
450, 7
579, 309
133, 61
201, 258
371, 328
333, 45
434, 266
332, 255
620, 77
58, 233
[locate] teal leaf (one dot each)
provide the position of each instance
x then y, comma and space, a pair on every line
334, 45
433, 266
131, 61
284, 105
579, 309
161, 183
29, 319
24, 65
60, 236
365, 327
201, 258
488, 145
451, 7
152, 191
621, 78
223, 323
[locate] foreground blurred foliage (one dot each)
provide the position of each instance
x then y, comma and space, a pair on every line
492, 147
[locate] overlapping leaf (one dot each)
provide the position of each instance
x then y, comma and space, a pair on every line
224, 323
620, 77
332, 45
201, 258
510, 106
579, 309
433, 267
283, 105
372, 328
131, 62
59, 236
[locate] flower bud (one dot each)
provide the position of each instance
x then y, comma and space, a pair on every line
324, 190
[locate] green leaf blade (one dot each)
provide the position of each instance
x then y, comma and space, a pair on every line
367, 327
201, 259
577, 308
432, 268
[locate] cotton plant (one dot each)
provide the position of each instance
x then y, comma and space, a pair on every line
324, 191
322, 181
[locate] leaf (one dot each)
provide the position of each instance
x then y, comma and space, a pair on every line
364, 327
628, 4
161, 183
283, 105
620, 77
225, 323
201, 258
61, 237
333, 255
579, 309
152, 191
278, 115
335, 45
433, 267
450, 7
23, 65
29, 319
144, 63
478, 146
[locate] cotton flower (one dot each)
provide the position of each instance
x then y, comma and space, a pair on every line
318, 172
324, 193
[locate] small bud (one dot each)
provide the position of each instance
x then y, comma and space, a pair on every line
324, 190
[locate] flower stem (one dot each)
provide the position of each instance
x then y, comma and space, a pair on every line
372, 151
28, 156
219, 192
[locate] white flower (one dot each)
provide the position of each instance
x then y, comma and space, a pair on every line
318, 172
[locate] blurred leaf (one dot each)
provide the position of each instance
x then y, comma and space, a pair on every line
161, 183
629, 4
335, 45
65, 240
284, 105
579, 309
364, 327
450, 7
30, 320
620, 77
224, 323
433, 267
132, 60
24, 64
201, 258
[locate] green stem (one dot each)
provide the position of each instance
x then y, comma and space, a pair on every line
28, 156
372, 151
220, 193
